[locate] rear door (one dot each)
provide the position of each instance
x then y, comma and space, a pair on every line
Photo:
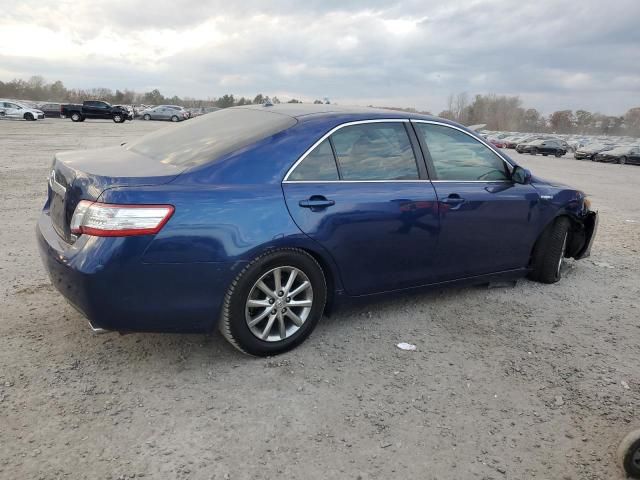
361, 194
11, 110
89, 109
485, 218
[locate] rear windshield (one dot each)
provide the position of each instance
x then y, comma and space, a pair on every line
207, 138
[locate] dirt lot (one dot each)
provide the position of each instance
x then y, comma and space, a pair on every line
531, 381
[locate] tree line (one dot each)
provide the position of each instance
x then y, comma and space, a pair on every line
506, 113
498, 112
38, 89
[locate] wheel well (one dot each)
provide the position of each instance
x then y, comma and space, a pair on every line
328, 275
575, 240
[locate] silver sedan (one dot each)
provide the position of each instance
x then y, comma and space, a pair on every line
165, 112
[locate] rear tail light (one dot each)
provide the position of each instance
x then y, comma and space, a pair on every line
111, 220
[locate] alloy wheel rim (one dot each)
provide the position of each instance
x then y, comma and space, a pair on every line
562, 250
279, 303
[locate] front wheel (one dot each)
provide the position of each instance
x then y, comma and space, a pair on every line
146, 117
549, 252
533, 151
274, 303
622, 160
558, 154
118, 118
29, 117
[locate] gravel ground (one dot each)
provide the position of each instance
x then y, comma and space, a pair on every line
514, 382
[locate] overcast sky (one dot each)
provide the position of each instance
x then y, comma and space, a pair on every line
555, 54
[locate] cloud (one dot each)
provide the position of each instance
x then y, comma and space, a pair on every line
555, 54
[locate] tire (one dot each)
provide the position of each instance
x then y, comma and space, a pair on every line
534, 151
622, 160
175, 118
628, 454
146, 117
76, 117
593, 158
549, 251
29, 117
117, 118
558, 154
237, 315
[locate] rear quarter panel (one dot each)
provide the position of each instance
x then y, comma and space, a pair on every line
216, 223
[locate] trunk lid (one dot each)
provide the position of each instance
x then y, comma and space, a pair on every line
84, 175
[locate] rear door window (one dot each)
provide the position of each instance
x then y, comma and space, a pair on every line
319, 165
375, 151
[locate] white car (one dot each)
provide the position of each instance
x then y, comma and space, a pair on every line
13, 109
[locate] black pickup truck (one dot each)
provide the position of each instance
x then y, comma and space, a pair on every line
95, 109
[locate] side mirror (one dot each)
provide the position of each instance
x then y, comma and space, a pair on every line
520, 175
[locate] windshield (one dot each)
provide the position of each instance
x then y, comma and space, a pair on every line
209, 137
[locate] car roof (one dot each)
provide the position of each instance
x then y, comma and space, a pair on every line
303, 111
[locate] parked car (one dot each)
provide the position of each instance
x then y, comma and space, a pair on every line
512, 142
496, 142
165, 112
95, 109
621, 155
589, 152
19, 110
545, 147
258, 219
51, 110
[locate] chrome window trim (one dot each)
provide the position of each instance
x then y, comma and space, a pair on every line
357, 181
327, 135
478, 139
398, 181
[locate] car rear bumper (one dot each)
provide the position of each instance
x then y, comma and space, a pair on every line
104, 279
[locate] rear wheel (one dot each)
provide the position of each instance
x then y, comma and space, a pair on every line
549, 252
622, 160
174, 118
629, 454
29, 117
76, 117
533, 151
274, 303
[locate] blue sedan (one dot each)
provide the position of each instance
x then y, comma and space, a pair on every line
257, 220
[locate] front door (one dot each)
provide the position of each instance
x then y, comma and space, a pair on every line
485, 218
362, 196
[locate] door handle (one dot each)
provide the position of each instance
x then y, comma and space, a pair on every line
316, 202
454, 200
